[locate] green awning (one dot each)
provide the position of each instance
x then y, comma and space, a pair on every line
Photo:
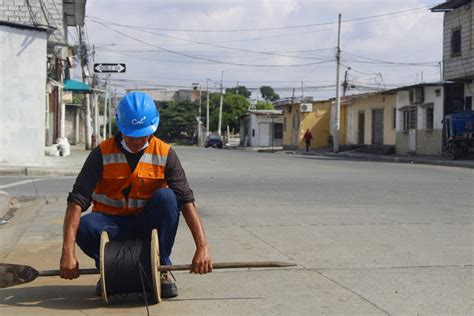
76, 86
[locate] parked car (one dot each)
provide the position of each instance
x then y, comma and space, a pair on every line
214, 141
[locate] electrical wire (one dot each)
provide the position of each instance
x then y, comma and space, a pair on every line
221, 46
278, 28
210, 60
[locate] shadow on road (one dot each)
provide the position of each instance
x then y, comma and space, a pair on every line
64, 298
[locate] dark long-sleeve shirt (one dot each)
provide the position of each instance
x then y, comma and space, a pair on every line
91, 173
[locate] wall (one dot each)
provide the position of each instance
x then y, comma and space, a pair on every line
318, 121
256, 123
23, 95
17, 11
458, 67
428, 141
367, 103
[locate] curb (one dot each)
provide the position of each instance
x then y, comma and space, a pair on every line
38, 171
418, 160
5, 202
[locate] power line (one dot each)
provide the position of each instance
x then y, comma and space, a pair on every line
276, 28
210, 60
217, 46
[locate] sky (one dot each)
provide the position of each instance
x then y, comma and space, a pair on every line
289, 45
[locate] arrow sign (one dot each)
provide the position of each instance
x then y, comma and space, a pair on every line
103, 68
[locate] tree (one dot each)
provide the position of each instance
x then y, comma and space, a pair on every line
178, 121
268, 93
233, 107
240, 90
264, 106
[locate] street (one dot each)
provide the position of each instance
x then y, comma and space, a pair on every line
367, 238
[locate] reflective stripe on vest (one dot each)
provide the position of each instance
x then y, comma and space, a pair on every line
114, 158
104, 199
153, 159
136, 203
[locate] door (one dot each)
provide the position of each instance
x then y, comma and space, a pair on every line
361, 128
377, 127
264, 134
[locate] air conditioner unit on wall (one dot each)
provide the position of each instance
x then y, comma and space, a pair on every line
306, 107
416, 95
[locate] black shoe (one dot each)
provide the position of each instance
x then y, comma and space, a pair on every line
168, 285
98, 289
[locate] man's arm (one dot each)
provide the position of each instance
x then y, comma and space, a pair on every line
69, 266
79, 201
202, 262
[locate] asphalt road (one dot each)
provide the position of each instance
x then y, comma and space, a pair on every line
368, 237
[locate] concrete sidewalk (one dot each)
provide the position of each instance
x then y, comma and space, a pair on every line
427, 160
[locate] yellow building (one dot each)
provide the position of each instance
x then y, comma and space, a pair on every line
370, 119
317, 117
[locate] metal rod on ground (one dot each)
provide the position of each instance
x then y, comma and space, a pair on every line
185, 267
15, 274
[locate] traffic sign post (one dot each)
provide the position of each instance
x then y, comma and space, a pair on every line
109, 68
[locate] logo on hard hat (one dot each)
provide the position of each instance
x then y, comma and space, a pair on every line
139, 122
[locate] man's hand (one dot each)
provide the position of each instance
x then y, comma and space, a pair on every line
202, 257
69, 266
202, 263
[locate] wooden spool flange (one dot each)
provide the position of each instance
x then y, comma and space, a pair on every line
155, 264
104, 239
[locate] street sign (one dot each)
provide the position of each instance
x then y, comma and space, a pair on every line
106, 68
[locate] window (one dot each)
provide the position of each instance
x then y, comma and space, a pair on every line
468, 105
456, 42
429, 117
409, 118
278, 131
253, 132
394, 118
412, 118
406, 116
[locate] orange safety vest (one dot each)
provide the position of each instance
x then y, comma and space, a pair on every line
148, 176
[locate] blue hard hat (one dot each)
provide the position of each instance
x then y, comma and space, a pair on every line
137, 115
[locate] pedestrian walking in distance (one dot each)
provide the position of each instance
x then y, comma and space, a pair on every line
308, 137
135, 183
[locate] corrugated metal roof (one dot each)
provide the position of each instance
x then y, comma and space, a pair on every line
450, 5
75, 11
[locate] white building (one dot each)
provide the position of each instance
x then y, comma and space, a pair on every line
262, 128
419, 124
22, 93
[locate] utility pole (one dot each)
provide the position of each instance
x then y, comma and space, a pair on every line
440, 72
106, 103
85, 79
207, 107
220, 106
95, 112
199, 120
338, 101
345, 84
302, 92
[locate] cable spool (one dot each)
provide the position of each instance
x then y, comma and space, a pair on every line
130, 266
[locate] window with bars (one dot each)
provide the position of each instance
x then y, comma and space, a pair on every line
278, 131
429, 117
456, 42
409, 119
412, 118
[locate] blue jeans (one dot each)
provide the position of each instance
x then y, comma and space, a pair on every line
161, 212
